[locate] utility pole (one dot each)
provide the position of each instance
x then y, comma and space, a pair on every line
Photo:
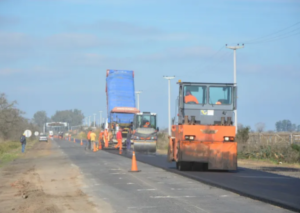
138, 98
169, 78
100, 120
234, 48
94, 119
89, 121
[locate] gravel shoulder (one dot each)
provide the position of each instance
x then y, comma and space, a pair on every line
43, 180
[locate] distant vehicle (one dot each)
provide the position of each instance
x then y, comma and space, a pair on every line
43, 137
51, 134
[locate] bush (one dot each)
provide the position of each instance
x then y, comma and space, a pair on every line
276, 152
162, 141
242, 135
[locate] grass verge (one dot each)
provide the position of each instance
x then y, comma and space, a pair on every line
10, 150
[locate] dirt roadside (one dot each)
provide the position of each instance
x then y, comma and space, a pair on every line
43, 180
280, 169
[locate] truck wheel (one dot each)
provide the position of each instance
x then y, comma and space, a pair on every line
182, 166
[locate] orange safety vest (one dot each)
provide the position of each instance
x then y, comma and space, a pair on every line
105, 133
89, 136
146, 124
100, 136
190, 98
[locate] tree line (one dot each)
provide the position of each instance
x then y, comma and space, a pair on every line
73, 117
12, 121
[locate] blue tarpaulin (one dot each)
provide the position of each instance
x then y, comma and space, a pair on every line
120, 92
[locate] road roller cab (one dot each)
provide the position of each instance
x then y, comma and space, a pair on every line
204, 133
144, 132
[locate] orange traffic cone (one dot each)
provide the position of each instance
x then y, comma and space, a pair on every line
81, 142
100, 145
134, 167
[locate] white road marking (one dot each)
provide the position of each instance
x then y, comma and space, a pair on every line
224, 196
146, 189
130, 183
168, 196
117, 173
73, 165
185, 188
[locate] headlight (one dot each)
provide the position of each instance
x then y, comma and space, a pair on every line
229, 138
189, 137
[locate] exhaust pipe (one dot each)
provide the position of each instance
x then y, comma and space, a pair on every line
193, 120
229, 121
222, 121
186, 119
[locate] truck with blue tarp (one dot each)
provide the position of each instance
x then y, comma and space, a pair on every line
120, 96
122, 113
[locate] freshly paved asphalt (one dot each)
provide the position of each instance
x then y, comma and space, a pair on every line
153, 189
272, 188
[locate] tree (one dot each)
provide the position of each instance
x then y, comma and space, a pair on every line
278, 126
285, 126
242, 135
12, 123
40, 118
260, 127
73, 117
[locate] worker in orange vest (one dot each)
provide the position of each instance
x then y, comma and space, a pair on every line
100, 139
88, 145
119, 139
105, 138
147, 124
190, 98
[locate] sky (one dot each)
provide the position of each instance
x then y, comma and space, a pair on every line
54, 53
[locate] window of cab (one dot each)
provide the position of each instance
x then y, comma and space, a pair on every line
220, 95
195, 94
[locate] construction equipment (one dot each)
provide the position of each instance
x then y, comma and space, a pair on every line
144, 132
204, 137
120, 96
115, 123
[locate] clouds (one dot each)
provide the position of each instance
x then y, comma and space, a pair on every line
8, 20
180, 54
77, 40
15, 40
8, 71
116, 28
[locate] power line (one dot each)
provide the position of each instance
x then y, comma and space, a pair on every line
279, 37
259, 38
